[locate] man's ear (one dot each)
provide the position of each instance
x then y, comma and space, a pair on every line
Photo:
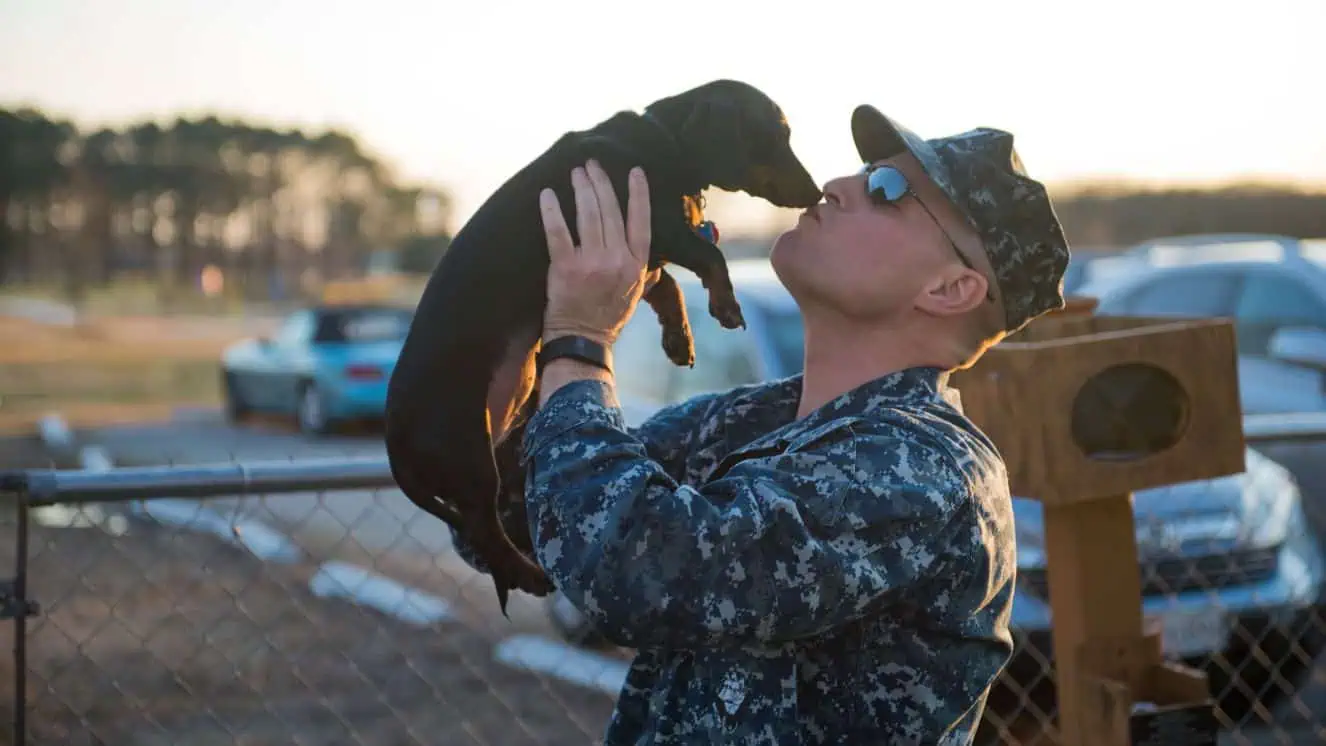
953, 293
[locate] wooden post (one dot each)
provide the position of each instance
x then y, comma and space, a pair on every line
1085, 410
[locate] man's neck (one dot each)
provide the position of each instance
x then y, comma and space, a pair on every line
840, 359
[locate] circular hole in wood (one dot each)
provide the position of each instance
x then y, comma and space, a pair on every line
1129, 411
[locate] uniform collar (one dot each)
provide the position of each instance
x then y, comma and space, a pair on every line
770, 411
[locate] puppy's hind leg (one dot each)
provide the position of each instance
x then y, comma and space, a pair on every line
680, 245
669, 305
509, 567
508, 454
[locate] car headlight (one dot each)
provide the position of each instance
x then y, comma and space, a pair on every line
1272, 495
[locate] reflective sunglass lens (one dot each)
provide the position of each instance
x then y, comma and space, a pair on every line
887, 184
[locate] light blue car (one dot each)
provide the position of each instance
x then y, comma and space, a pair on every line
1229, 565
325, 364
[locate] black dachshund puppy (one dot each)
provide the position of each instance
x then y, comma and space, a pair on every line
485, 300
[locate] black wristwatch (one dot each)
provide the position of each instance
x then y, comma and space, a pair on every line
575, 347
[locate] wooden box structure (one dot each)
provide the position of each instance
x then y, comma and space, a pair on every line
1086, 409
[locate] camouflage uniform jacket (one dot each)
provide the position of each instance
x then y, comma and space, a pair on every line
845, 578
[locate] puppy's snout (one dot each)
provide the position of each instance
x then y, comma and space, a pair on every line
784, 182
802, 192
789, 183
795, 188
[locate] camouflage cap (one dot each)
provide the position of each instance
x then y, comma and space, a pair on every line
984, 178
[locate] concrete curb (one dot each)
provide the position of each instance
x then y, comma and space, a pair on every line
259, 539
332, 579
367, 588
55, 432
57, 436
566, 662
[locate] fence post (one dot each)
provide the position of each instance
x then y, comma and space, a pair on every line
14, 601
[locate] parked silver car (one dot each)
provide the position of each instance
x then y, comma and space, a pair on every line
1272, 287
1228, 564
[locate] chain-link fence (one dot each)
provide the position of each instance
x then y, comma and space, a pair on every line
308, 602
300, 604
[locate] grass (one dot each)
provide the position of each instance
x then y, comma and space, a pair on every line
86, 415
119, 381
107, 371
137, 295
125, 361
24, 342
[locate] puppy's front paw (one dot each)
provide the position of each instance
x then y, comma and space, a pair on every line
724, 307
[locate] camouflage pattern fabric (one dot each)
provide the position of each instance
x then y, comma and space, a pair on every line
843, 578
983, 176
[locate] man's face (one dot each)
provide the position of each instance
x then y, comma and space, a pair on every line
868, 261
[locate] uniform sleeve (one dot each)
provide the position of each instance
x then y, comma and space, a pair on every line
778, 548
666, 437
669, 434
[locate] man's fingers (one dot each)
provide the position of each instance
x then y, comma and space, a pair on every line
555, 229
589, 222
614, 228
652, 278
637, 215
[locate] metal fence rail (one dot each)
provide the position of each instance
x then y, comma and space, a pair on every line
185, 624
123, 484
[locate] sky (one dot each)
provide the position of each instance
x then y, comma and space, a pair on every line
463, 94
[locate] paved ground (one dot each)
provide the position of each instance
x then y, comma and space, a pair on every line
161, 637
383, 531
374, 528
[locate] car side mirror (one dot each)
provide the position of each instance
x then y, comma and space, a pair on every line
1299, 345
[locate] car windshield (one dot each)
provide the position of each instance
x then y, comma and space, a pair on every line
1314, 250
788, 341
372, 325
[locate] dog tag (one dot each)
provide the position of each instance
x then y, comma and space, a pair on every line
708, 231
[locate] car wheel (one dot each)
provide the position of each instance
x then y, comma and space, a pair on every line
231, 400
311, 410
571, 624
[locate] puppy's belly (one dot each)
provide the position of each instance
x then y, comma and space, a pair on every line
512, 383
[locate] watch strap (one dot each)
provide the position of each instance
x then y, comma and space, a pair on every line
575, 347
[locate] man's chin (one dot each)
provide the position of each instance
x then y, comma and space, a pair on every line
785, 244
786, 260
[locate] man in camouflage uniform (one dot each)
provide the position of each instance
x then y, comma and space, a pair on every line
829, 558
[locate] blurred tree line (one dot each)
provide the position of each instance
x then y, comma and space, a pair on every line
275, 210
280, 211
1113, 216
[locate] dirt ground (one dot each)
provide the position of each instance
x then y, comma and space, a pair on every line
159, 637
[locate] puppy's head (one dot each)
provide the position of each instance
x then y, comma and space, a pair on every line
738, 140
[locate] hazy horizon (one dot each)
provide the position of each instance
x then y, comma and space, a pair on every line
1150, 94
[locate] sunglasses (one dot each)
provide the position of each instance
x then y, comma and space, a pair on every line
886, 186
